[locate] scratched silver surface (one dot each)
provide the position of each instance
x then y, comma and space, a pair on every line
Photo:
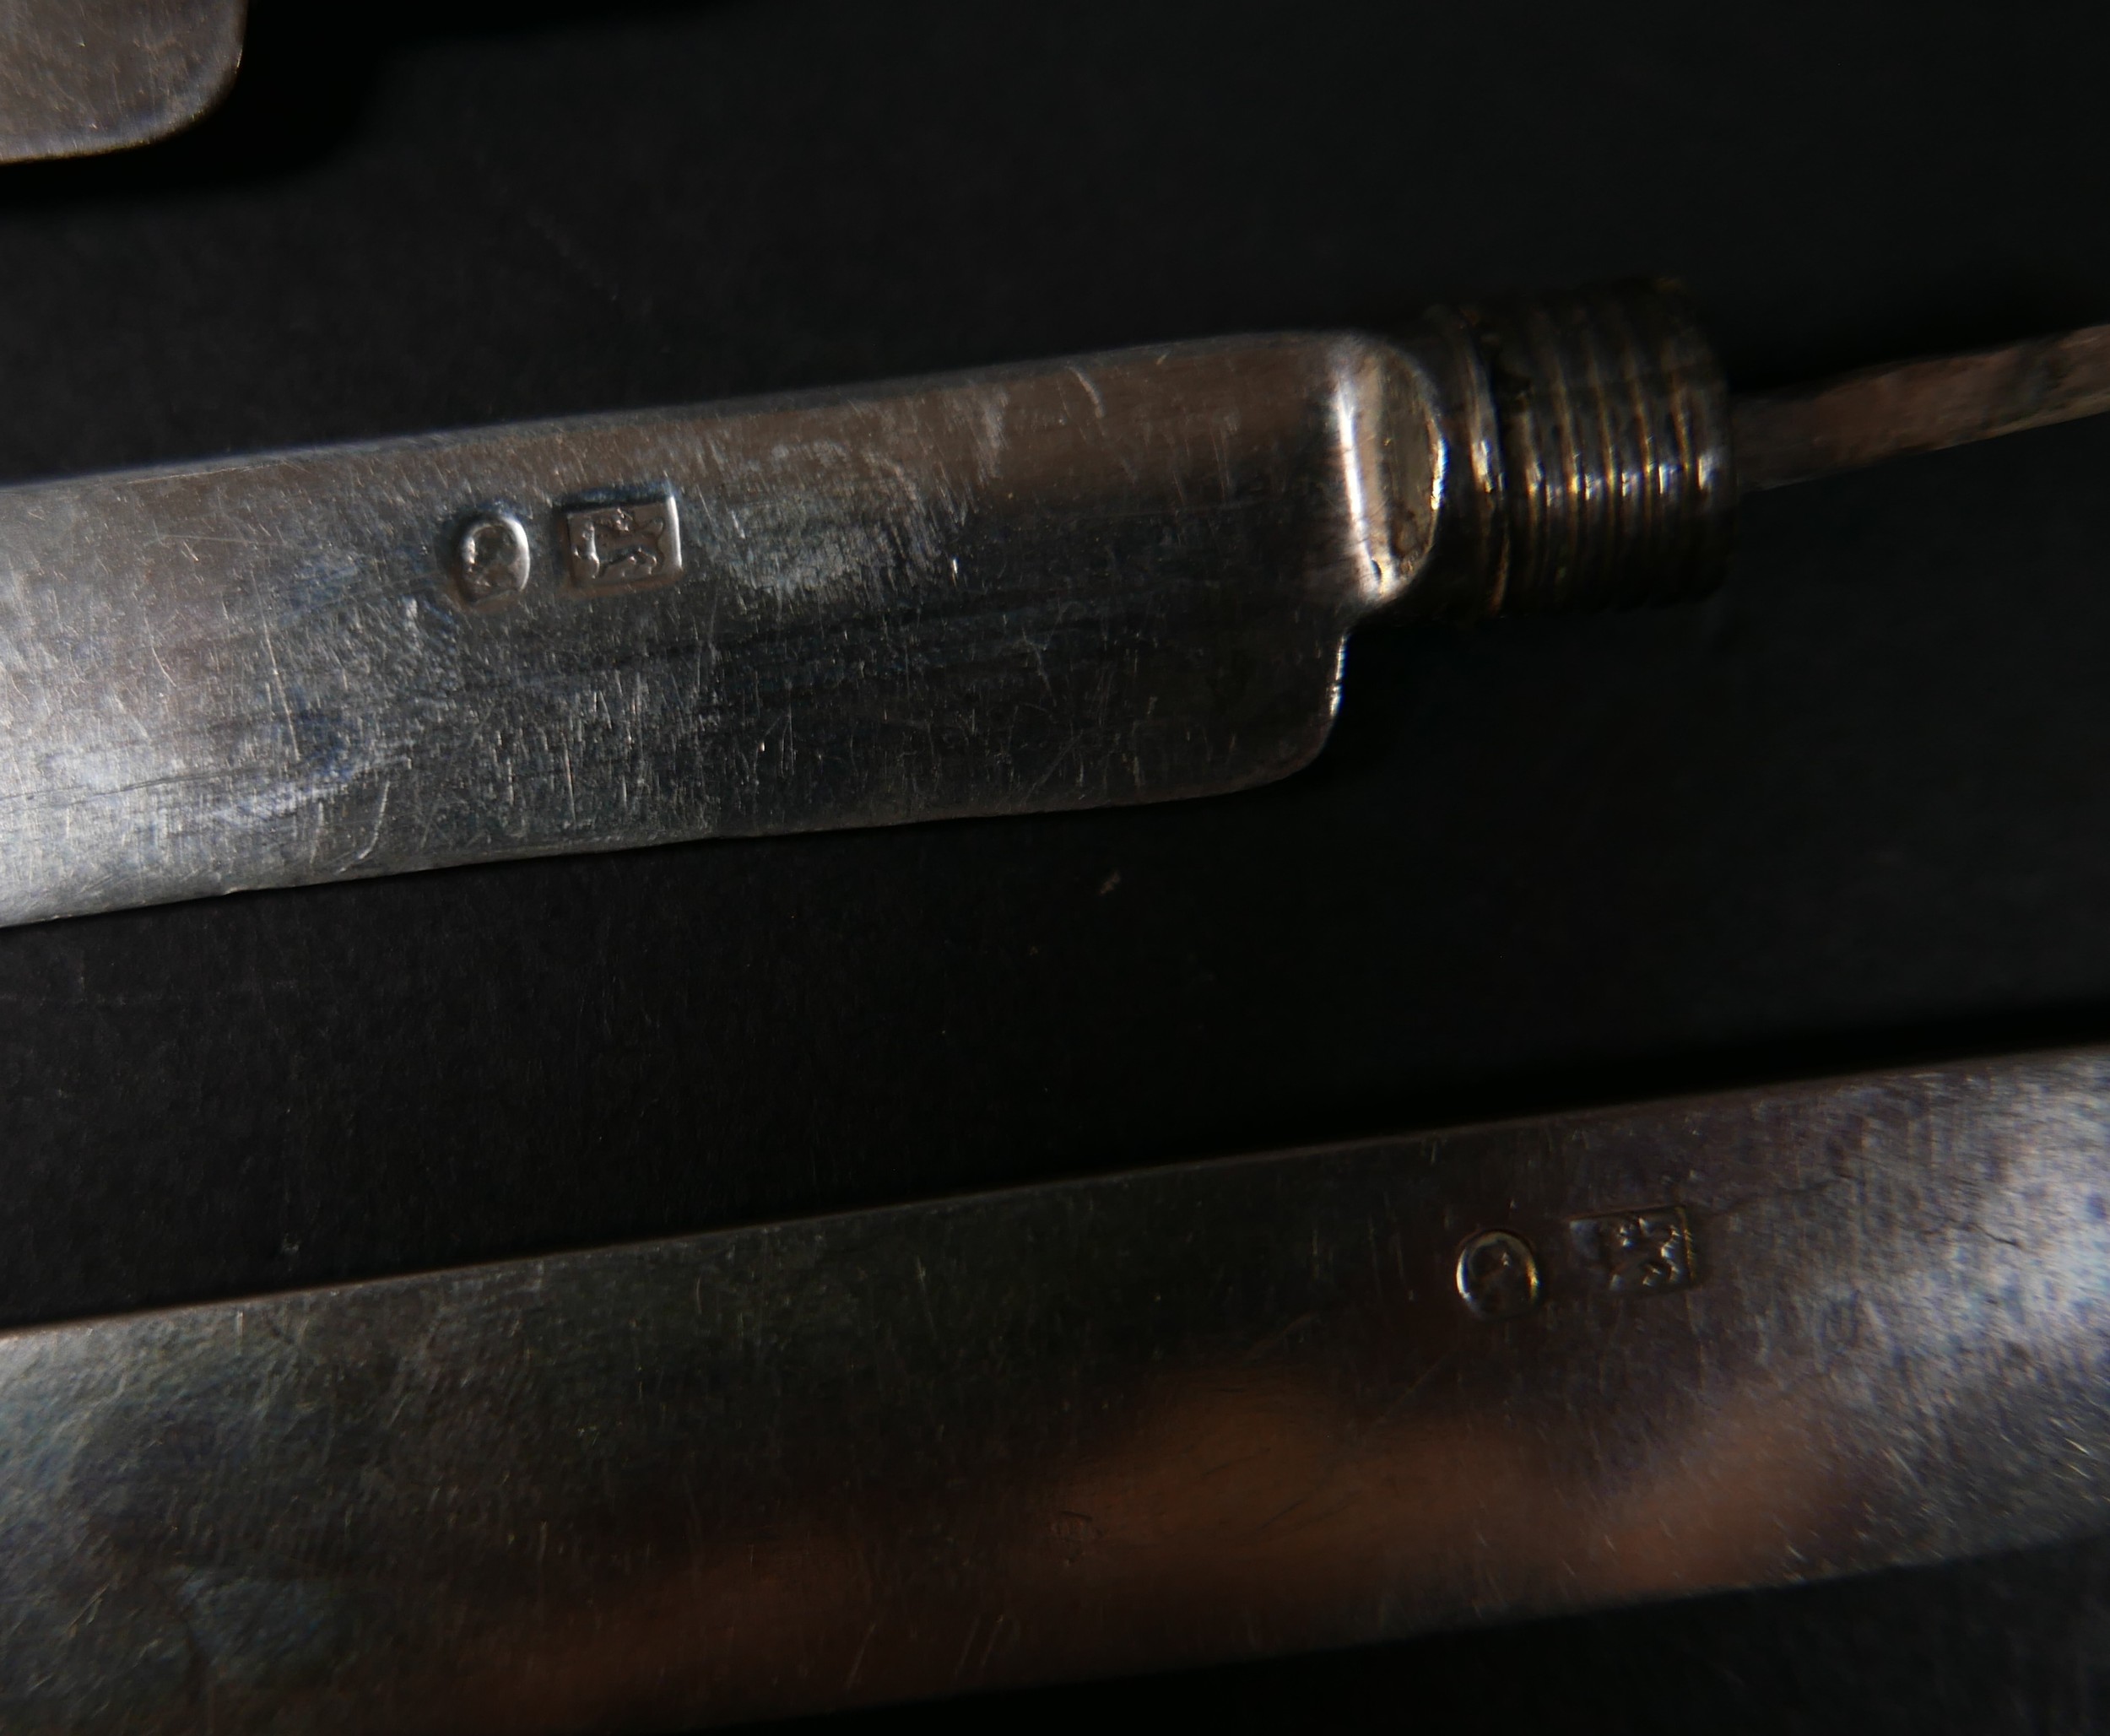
81, 76
1121, 577
1157, 1419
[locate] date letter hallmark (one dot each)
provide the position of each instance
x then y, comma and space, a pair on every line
491, 562
1637, 1253
622, 545
1497, 1275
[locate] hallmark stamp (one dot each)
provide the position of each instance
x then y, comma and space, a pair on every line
1497, 1275
1637, 1253
622, 545
491, 562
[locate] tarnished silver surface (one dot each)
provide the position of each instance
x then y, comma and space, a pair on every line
1113, 579
1124, 577
1110, 579
1194, 1413
81, 76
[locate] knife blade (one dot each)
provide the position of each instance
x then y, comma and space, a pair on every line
1183, 1416
1110, 579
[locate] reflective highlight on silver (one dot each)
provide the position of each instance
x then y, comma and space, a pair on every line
82, 76
1113, 579
1497, 1275
1159, 1419
1613, 428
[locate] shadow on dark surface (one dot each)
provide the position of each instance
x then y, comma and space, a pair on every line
311, 69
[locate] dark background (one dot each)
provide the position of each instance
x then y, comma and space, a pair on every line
1855, 809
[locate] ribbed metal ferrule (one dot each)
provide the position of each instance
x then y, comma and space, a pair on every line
1616, 486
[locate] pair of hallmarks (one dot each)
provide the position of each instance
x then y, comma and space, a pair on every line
1624, 1254
607, 546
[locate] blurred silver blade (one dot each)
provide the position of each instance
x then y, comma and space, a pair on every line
81, 76
1114, 579
1158, 1418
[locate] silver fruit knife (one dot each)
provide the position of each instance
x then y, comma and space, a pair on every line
1115, 578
